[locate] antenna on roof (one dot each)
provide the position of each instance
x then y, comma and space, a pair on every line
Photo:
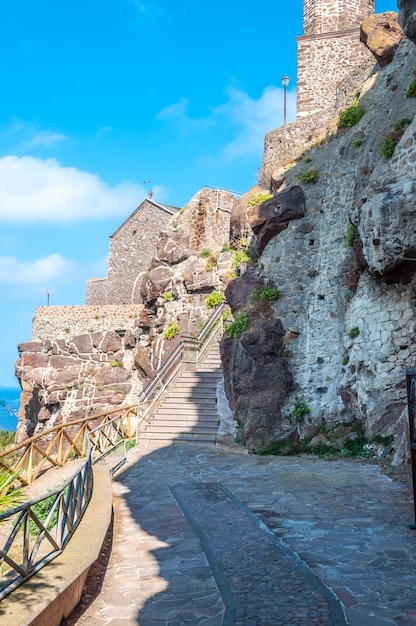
150, 194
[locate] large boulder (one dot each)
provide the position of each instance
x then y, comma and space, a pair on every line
269, 218
407, 18
257, 382
382, 34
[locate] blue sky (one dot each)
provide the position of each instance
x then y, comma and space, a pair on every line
99, 96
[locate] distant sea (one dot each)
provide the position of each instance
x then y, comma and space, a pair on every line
9, 406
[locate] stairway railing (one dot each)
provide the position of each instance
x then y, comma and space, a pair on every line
37, 531
152, 393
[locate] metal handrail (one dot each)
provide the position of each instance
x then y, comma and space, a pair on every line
172, 365
38, 530
175, 355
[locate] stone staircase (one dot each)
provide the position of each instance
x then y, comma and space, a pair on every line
188, 411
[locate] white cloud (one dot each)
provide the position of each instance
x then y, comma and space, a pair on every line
246, 119
178, 113
46, 138
33, 189
252, 119
13, 271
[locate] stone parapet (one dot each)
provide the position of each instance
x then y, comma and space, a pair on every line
69, 321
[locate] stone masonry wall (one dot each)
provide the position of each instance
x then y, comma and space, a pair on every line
335, 55
70, 321
323, 16
132, 247
96, 292
285, 145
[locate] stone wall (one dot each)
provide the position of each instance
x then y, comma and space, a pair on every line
69, 321
96, 292
323, 16
334, 55
288, 144
132, 247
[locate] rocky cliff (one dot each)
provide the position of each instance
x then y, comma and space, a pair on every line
338, 241
318, 265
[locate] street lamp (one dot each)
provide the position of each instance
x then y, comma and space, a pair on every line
285, 82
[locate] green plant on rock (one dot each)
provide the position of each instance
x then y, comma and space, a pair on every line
309, 176
357, 142
240, 257
265, 293
241, 323
299, 410
168, 296
171, 331
387, 147
351, 116
205, 253
353, 332
349, 235
225, 247
259, 198
214, 299
116, 364
411, 90
392, 138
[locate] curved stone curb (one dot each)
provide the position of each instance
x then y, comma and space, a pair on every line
55, 590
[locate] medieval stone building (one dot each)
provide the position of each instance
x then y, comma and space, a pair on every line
329, 51
132, 247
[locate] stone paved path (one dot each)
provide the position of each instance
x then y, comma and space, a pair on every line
191, 547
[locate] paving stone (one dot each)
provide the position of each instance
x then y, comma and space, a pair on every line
344, 521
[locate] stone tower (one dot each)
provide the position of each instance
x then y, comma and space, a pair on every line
330, 54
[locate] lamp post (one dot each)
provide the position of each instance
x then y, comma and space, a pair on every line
285, 82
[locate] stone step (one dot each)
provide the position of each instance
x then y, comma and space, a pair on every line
180, 429
187, 411
169, 438
165, 422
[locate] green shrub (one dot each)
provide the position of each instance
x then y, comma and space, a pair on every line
168, 296
259, 198
116, 363
353, 332
225, 247
309, 176
265, 293
205, 253
41, 510
411, 90
6, 438
349, 236
214, 299
387, 147
351, 116
357, 142
130, 443
391, 139
171, 331
299, 410
240, 324
240, 257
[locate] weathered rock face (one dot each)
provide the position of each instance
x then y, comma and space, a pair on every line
407, 18
257, 382
272, 216
348, 313
70, 377
382, 34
